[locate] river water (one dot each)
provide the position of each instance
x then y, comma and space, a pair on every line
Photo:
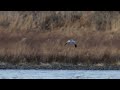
59, 74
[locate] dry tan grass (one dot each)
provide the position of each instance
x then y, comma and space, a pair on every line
49, 47
39, 37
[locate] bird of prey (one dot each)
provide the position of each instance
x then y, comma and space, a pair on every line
71, 42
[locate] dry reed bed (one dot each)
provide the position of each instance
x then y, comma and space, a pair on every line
39, 36
93, 47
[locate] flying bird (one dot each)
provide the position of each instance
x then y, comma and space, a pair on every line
71, 42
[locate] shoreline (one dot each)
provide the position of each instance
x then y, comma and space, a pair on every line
59, 67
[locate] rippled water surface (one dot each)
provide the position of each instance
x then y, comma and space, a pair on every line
59, 74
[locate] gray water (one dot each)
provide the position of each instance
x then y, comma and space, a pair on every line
59, 74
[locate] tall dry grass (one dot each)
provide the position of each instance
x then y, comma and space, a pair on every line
49, 47
51, 20
39, 37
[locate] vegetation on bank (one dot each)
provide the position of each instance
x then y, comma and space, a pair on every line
37, 37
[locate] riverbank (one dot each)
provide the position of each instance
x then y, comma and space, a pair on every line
56, 66
36, 40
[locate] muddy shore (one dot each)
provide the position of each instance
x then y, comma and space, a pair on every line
59, 67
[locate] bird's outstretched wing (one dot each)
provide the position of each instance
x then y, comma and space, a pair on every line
75, 45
